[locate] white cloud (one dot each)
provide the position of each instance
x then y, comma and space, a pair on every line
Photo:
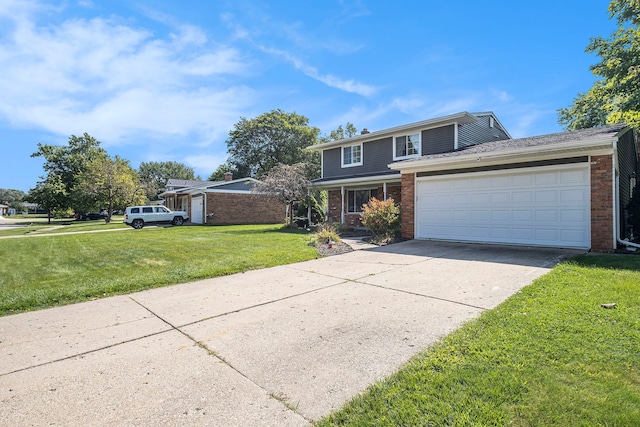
351, 86
115, 80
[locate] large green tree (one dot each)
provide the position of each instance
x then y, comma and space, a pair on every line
111, 183
154, 175
10, 196
238, 171
615, 96
340, 133
50, 194
63, 165
257, 145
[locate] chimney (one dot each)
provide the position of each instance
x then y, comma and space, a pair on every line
228, 176
364, 131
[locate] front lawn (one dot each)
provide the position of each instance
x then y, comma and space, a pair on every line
46, 271
549, 356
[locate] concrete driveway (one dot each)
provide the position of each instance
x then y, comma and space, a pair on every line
275, 347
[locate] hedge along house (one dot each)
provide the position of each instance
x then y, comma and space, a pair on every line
223, 202
561, 190
356, 169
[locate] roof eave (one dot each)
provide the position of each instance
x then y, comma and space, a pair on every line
362, 180
461, 118
601, 146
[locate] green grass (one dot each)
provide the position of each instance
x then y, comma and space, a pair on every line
39, 226
549, 356
56, 270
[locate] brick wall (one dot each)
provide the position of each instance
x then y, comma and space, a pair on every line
407, 205
333, 200
602, 239
232, 208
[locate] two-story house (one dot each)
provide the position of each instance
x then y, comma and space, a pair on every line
357, 169
463, 178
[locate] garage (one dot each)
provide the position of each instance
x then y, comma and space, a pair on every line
543, 206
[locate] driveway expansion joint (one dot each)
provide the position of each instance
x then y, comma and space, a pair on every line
424, 296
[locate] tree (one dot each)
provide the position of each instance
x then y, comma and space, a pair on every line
111, 183
340, 133
63, 165
286, 184
11, 196
258, 145
218, 174
50, 194
154, 175
615, 97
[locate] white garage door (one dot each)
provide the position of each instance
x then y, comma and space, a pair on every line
546, 206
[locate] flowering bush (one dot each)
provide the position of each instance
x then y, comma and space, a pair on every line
381, 217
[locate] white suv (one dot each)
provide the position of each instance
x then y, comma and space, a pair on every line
138, 216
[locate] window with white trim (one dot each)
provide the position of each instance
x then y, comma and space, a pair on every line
357, 198
352, 156
406, 146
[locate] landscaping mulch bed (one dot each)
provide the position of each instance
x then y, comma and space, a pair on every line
336, 249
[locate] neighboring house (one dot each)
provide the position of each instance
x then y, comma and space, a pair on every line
3, 209
562, 190
222, 202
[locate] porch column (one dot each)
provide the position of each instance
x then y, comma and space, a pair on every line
342, 204
384, 190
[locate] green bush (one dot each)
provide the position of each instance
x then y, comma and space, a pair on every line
382, 218
326, 232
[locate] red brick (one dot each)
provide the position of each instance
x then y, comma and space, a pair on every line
407, 206
602, 199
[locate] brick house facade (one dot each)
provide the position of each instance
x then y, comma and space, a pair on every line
223, 202
463, 178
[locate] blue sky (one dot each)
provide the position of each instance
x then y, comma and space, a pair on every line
166, 80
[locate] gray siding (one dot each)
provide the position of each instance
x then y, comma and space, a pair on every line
438, 140
480, 132
376, 155
628, 161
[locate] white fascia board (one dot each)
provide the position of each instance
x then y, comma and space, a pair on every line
592, 147
460, 118
350, 181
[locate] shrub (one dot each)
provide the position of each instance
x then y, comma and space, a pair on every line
382, 218
317, 212
326, 232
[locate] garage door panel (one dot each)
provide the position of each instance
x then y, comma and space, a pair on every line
522, 197
546, 196
543, 206
573, 197
573, 216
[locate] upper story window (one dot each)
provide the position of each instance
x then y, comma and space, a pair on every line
352, 156
406, 146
